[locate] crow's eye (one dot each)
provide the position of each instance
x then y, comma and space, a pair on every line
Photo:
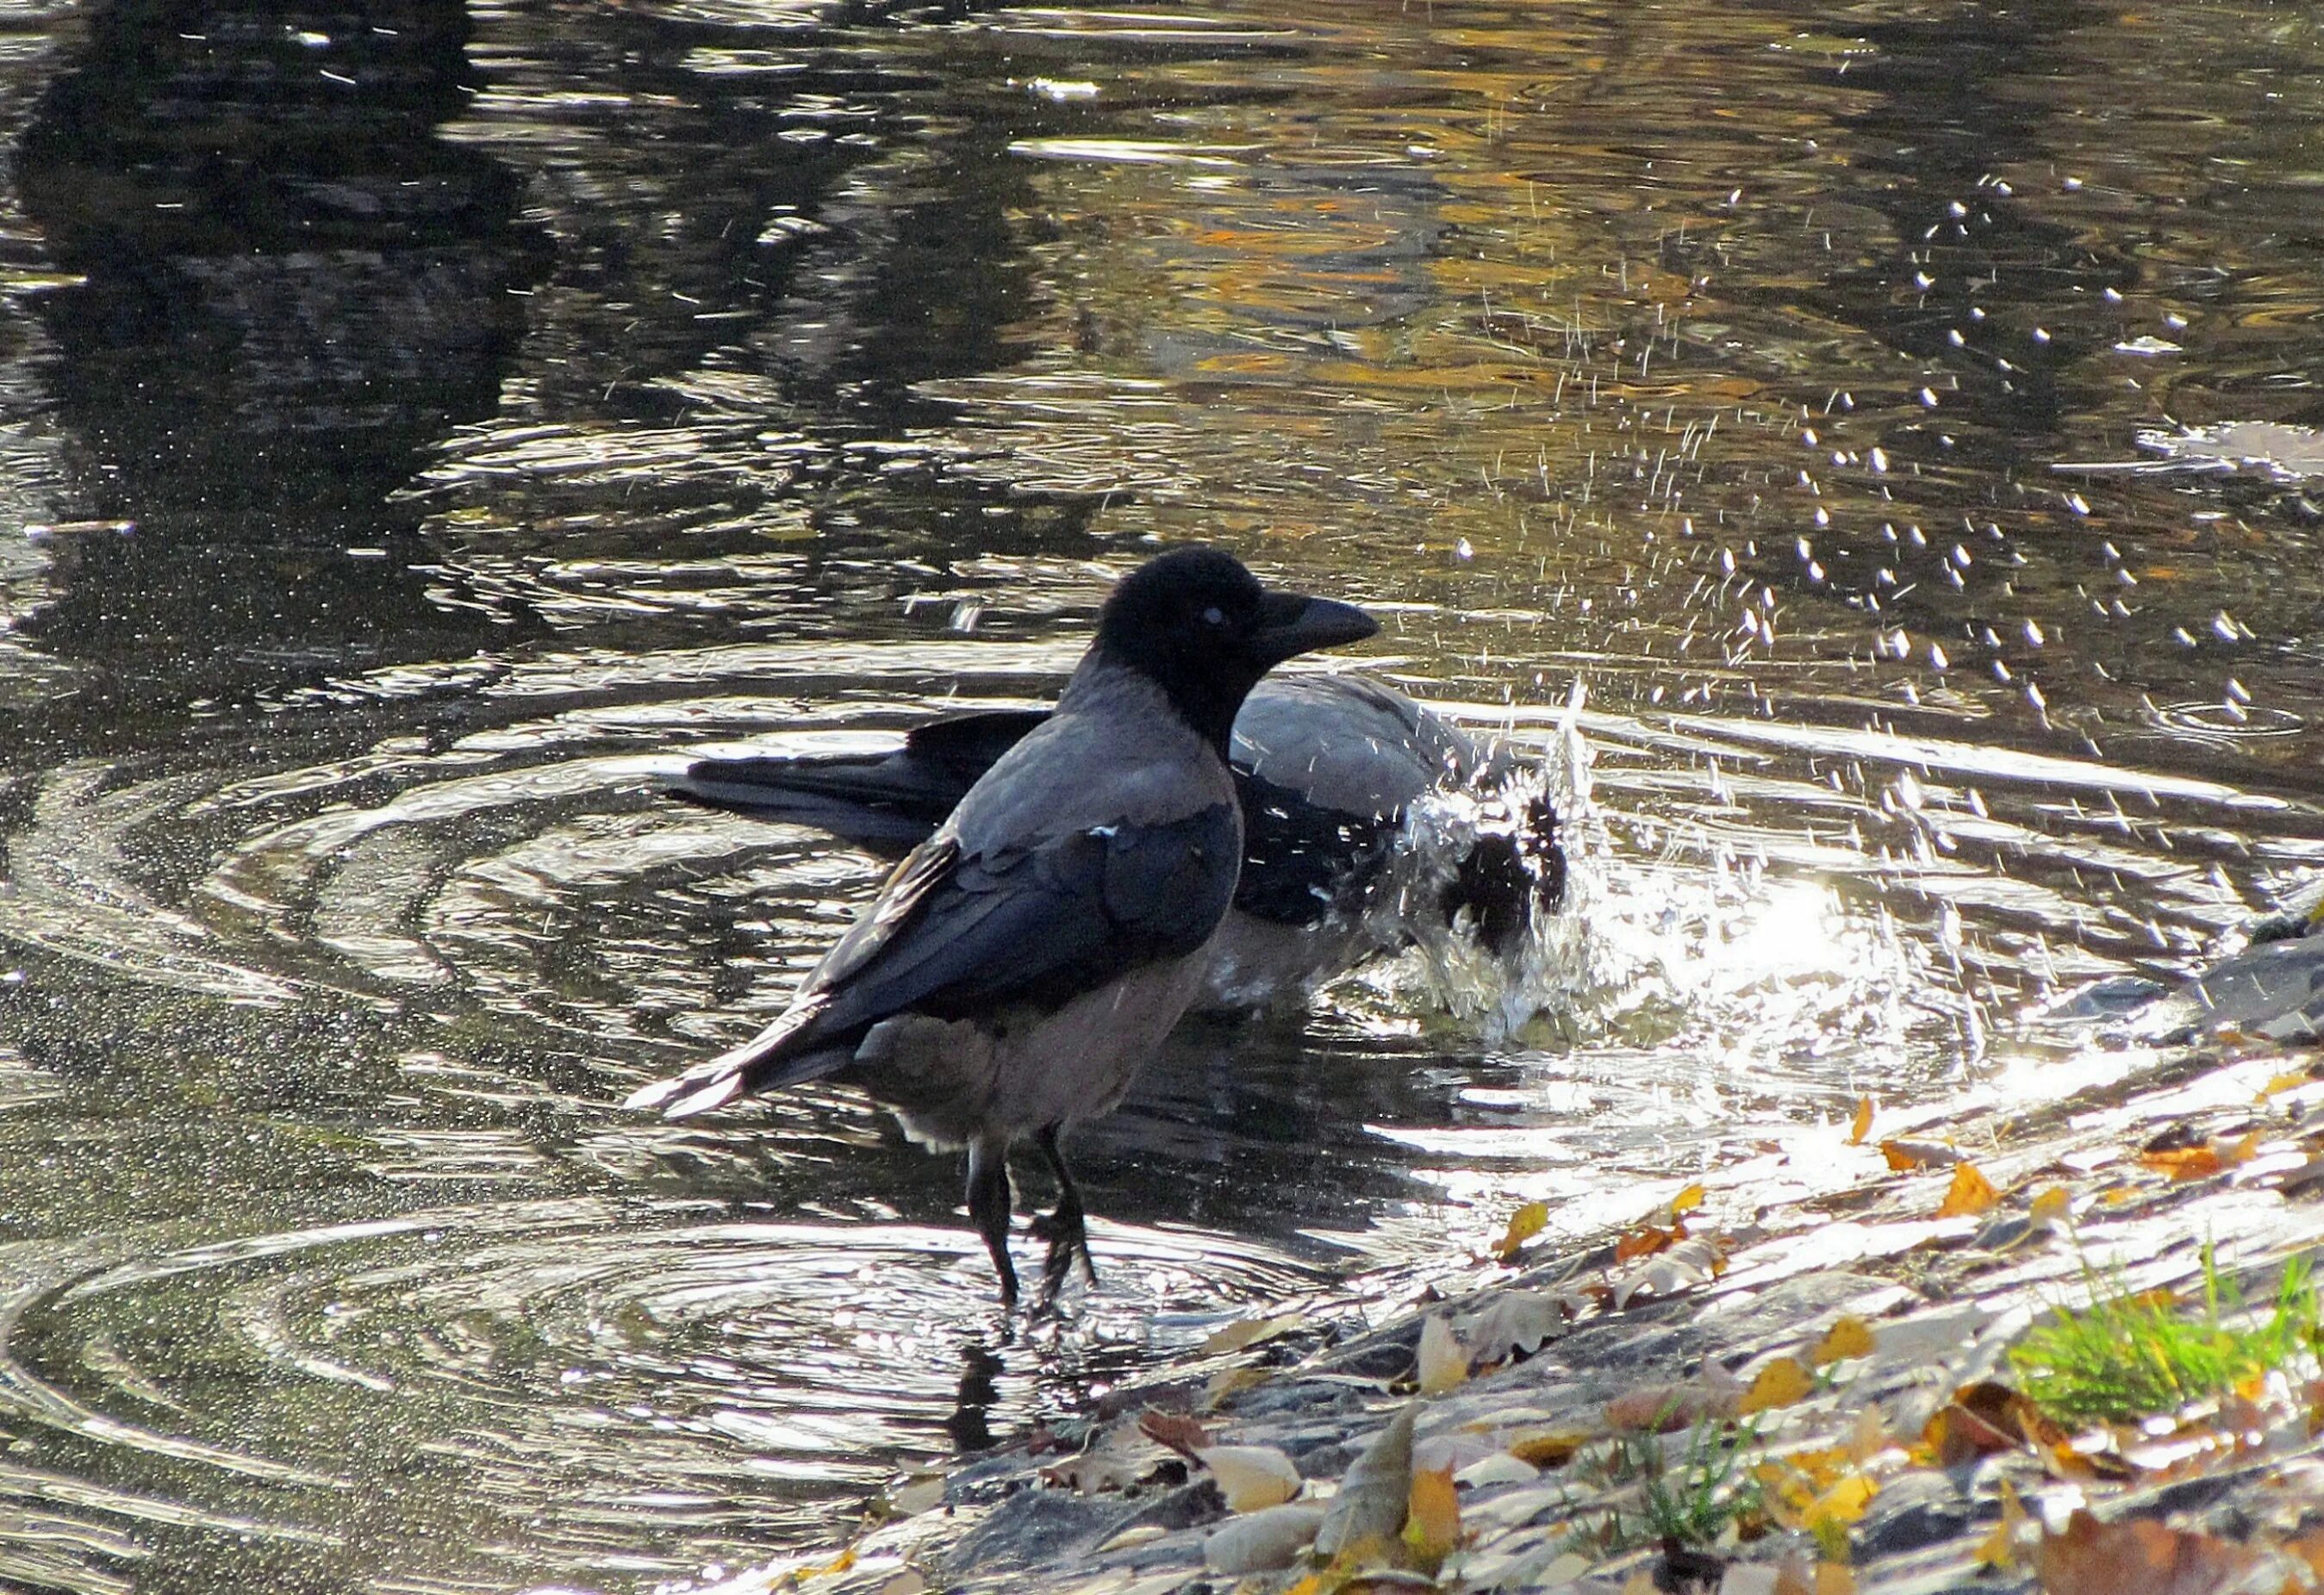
1214, 616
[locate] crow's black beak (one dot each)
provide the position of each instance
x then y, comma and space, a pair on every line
1293, 622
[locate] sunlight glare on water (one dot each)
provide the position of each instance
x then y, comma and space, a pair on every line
1864, 465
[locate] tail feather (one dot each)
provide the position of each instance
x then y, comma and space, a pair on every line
837, 784
771, 1059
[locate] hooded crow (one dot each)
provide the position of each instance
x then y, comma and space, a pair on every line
1018, 966
1330, 770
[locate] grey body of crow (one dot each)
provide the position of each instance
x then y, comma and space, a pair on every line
1085, 815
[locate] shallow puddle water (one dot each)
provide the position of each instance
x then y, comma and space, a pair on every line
422, 433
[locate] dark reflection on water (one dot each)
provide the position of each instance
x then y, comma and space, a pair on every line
426, 423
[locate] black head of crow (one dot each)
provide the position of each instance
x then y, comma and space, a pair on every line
1199, 626
1018, 965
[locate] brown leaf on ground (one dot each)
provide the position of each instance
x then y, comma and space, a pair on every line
2010, 1412
2184, 1155
1645, 1240
1909, 1155
2185, 1163
1985, 1418
1970, 1194
1666, 1407
2139, 1554
1175, 1430
1548, 1448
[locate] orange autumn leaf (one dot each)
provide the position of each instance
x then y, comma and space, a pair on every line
1548, 1448
1527, 1222
2185, 1163
1970, 1194
1645, 1240
1431, 1521
2095, 1558
1849, 1337
1686, 1202
1861, 1126
1779, 1384
1903, 1156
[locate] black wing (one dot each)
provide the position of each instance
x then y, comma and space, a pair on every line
953, 935
891, 799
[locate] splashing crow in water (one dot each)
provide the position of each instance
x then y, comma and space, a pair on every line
1018, 965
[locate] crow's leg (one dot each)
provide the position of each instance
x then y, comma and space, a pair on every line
1067, 1230
989, 1205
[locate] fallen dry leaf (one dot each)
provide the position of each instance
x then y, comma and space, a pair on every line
1910, 1155
1780, 1383
1661, 1408
1963, 1430
1816, 1491
1432, 1518
2140, 1554
1263, 1541
1251, 1476
1369, 1508
1527, 1222
2053, 1206
1443, 1361
1248, 1331
1999, 1550
1970, 1194
1175, 1430
1645, 1240
1517, 1322
1869, 1436
1689, 1263
1233, 1382
2185, 1163
1686, 1202
2181, 1158
1862, 1126
1847, 1337
1548, 1448
1840, 1506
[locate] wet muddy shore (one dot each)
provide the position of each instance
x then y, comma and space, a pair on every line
2114, 1166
